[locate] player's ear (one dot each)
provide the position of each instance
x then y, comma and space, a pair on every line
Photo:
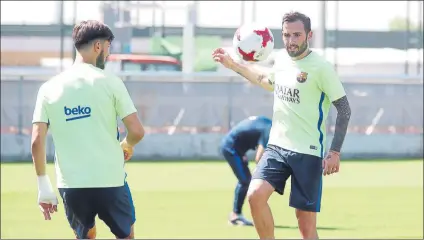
310, 35
97, 46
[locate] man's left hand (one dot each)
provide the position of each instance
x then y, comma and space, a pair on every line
331, 163
128, 150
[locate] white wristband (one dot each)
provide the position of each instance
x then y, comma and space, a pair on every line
44, 184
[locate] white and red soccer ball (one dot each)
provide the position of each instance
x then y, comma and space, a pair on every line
253, 42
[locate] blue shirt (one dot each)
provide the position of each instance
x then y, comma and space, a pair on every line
248, 134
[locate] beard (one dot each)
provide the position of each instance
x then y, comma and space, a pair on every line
100, 61
299, 49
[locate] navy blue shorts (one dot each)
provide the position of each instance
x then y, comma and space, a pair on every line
239, 167
278, 164
113, 205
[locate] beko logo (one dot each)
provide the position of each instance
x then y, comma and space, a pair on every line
76, 113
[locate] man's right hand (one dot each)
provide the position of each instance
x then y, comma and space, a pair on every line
48, 204
247, 71
221, 56
47, 199
128, 150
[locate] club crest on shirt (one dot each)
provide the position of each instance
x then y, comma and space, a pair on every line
302, 76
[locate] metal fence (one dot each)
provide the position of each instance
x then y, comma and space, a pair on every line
186, 116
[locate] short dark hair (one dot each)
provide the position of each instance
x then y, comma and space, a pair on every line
88, 31
296, 16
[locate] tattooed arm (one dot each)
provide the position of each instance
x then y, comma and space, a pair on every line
342, 121
254, 75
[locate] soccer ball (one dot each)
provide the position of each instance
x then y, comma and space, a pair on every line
253, 42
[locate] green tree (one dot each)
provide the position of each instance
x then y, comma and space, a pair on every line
400, 24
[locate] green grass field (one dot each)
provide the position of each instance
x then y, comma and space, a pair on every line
367, 199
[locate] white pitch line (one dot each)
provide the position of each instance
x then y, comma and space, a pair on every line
374, 122
177, 121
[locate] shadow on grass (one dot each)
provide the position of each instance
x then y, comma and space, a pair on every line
318, 228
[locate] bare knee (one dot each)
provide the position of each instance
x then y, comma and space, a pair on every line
259, 192
307, 222
92, 233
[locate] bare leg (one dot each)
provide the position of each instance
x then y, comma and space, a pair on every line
307, 222
258, 195
92, 233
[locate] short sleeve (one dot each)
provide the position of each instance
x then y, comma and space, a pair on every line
124, 105
40, 110
330, 83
